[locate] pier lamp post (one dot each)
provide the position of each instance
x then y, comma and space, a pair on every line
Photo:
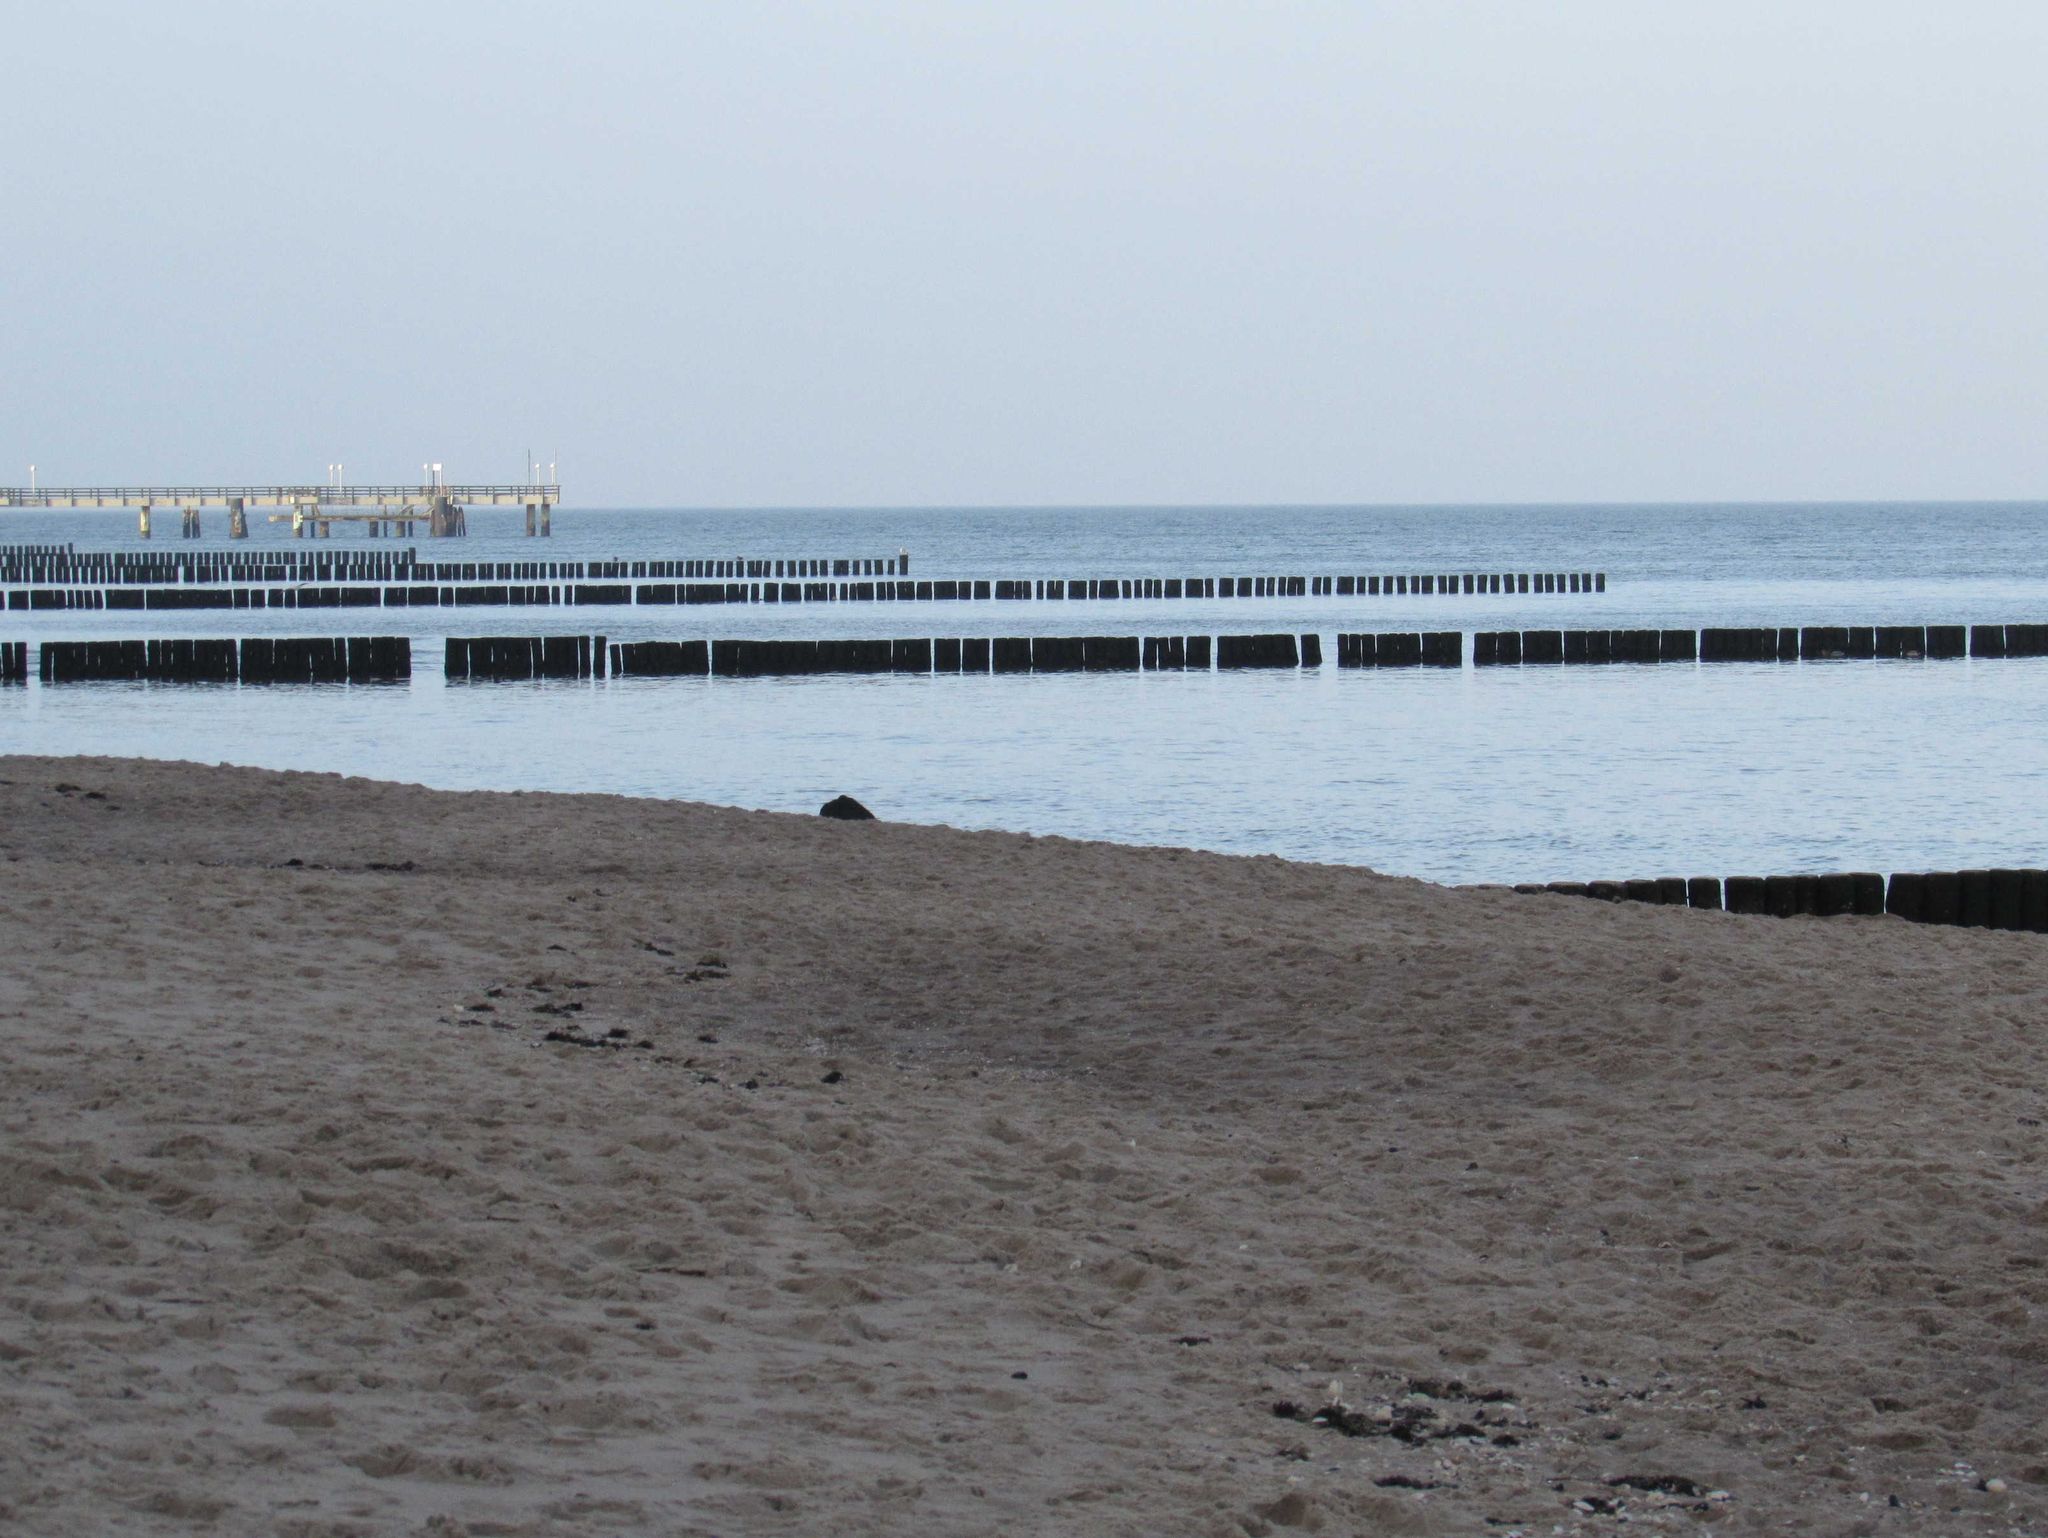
31, 479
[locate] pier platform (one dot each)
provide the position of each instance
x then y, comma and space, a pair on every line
311, 510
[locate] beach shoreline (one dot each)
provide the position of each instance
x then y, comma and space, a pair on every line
381, 1159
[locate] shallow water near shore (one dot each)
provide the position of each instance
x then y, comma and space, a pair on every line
1489, 775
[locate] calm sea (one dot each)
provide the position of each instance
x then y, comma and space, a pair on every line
1502, 775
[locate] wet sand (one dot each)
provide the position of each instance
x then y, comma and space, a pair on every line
380, 1160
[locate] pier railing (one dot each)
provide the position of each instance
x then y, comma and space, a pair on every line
493, 494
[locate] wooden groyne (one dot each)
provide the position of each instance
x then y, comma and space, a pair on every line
502, 658
580, 583
43, 557
250, 660
1257, 651
499, 659
63, 565
1388, 585
13, 662
1073, 654
416, 595
1402, 649
1979, 899
1809, 643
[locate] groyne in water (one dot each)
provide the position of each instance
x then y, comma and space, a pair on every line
582, 656
249, 660
1979, 899
740, 579
427, 585
64, 565
1402, 649
1789, 643
502, 658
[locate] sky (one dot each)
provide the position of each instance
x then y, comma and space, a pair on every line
935, 254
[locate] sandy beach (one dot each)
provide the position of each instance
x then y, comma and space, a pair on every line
382, 1160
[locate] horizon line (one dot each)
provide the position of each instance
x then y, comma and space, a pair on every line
1053, 507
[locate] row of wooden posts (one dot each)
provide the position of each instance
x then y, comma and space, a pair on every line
13, 662
1020, 654
753, 577
62, 564
1808, 643
191, 568
517, 657
250, 660
431, 591
502, 658
1979, 899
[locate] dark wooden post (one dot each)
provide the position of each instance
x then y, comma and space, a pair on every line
1745, 894
1942, 902
2034, 902
1974, 898
1906, 896
2008, 899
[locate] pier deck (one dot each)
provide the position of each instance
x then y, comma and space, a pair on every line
311, 509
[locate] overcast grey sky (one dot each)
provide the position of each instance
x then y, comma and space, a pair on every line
925, 253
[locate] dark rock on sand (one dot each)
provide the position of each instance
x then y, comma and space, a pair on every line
846, 809
1660, 1484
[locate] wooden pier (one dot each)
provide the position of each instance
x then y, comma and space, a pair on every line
438, 510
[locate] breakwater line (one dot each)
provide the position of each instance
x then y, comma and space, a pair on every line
500, 658
598, 584
512, 658
61, 565
1788, 643
248, 660
1977, 899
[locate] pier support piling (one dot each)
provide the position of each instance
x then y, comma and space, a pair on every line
446, 520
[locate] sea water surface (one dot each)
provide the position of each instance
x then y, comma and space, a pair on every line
1501, 774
